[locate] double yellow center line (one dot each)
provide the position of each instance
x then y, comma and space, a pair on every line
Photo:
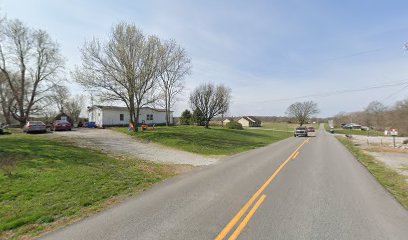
245, 208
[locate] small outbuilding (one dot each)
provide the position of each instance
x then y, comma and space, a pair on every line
250, 121
63, 116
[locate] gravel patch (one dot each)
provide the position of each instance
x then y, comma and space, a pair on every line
119, 144
396, 161
365, 141
384, 147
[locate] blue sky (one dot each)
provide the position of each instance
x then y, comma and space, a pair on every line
268, 52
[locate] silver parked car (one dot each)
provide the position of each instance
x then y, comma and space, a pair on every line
34, 126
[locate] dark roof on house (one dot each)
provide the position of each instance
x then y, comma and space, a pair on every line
123, 108
251, 119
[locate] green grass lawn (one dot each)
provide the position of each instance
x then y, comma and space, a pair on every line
395, 183
54, 183
213, 141
358, 132
283, 126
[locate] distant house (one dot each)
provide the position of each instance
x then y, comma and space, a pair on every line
227, 120
249, 121
106, 116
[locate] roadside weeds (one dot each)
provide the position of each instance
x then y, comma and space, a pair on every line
394, 182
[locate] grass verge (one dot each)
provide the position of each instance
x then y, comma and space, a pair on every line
54, 183
395, 183
283, 126
212, 141
358, 132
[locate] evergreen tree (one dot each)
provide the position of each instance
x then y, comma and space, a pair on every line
185, 118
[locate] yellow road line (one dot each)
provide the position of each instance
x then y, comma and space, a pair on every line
295, 155
248, 217
243, 210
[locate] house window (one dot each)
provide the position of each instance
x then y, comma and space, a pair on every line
122, 117
149, 117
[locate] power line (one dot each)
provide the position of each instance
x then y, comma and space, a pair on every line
394, 94
338, 92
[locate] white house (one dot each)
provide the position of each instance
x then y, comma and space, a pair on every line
227, 120
105, 116
249, 121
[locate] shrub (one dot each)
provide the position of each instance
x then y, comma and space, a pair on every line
405, 141
234, 125
185, 118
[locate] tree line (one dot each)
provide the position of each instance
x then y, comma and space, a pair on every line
32, 74
128, 67
379, 117
134, 69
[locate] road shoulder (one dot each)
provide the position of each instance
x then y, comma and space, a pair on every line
395, 182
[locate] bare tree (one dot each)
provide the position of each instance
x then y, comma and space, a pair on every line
59, 96
210, 100
398, 116
374, 114
380, 116
174, 66
302, 111
125, 68
74, 106
6, 99
30, 62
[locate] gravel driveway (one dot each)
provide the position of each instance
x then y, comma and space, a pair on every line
119, 144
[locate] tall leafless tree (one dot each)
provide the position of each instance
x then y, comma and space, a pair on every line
60, 96
6, 99
374, 115
125, 68
31, 63
380, 117
174, 66
74, 106
210, 100
302, 111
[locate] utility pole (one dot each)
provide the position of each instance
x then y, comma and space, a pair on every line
92, 105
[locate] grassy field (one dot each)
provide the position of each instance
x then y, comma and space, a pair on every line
213, 141
358, 132
54, 183
283, 126
392, 181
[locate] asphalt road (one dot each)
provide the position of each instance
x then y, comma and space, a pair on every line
320, 193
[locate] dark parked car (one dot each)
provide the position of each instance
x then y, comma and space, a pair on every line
61, 125
300, 132
34, 126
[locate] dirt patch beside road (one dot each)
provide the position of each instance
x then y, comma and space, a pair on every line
118, 144
381, 148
